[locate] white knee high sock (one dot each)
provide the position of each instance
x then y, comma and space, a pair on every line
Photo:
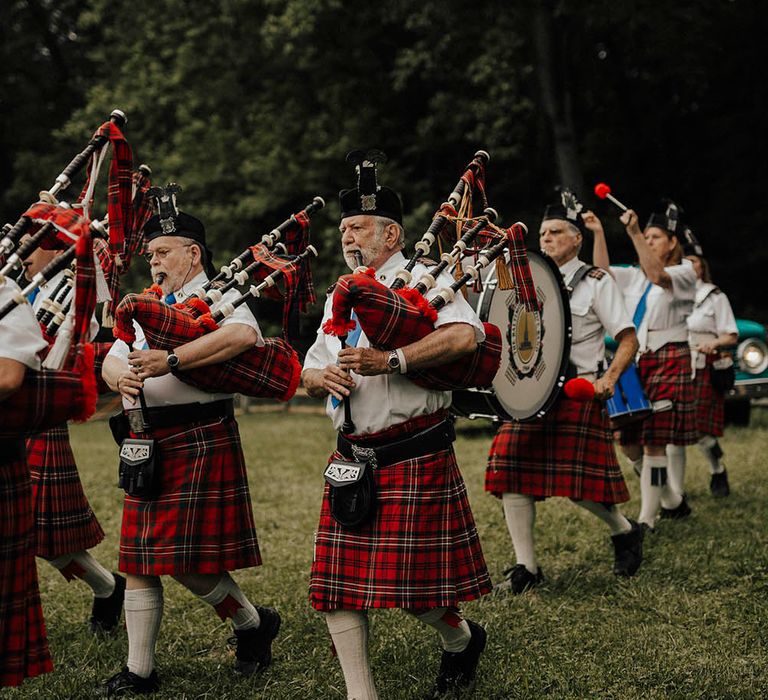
349, 632
520, 514
608, 514
228, 600
654, 470
83, 566
451, 626
143, 614
711, 450
676, 468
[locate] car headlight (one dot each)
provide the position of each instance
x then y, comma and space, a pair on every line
753, 356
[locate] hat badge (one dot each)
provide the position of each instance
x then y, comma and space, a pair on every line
165, 205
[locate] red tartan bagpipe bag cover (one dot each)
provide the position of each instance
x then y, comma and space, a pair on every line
272, 371
391, 319
49, 398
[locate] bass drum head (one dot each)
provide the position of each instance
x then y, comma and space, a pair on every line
535, 347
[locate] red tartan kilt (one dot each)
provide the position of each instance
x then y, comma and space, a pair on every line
46, 399
64, 521
666, 374
420, 551
392, 319
202, 520
710, 403
23, 643
569, 452
271, 372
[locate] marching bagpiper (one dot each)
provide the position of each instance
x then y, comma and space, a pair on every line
65, 524
200, 467
418, 548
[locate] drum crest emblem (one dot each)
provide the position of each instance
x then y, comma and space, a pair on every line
525, 333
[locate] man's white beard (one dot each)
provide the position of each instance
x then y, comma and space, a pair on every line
368, 255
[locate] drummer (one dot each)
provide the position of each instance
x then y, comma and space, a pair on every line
660, 294
569, 452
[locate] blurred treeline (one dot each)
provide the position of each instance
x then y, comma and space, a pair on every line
252, 105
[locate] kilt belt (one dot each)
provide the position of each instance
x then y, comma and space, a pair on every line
438, 437
142, 419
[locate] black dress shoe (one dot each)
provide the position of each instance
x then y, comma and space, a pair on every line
518, 579
681, 511
127, 683
718, 485
628, 550
105, 613
457, 669
254, 646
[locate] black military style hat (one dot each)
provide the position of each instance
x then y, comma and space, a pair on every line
369, 197
567, 208
667, 216
169, 221
691, 245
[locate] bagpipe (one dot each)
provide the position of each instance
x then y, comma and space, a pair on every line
392, 317
270, 371
48, 398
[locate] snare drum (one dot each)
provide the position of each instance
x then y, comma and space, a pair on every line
535, 347
629, 403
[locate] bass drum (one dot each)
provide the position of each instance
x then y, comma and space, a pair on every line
535, 347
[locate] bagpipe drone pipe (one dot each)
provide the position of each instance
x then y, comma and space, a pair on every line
272, 371
393, 318
49, 397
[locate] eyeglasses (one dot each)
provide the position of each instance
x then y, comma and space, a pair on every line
162, 253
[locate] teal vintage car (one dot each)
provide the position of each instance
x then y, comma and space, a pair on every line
751, 356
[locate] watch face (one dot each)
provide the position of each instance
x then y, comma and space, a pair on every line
393, 361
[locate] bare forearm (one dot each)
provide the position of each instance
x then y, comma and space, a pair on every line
446, 344
600, 255
112, 368
625, 353
313, 383
11, 376
651, 265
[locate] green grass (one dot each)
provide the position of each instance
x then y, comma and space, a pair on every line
692, 624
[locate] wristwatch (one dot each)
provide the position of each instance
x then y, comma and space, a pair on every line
393, 361
173, 361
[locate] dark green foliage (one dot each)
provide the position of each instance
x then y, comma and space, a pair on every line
252, 105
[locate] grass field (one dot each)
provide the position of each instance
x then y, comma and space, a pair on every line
692, 624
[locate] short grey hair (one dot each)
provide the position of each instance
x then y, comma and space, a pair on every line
382, 222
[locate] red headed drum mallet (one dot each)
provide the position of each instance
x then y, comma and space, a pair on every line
579, 389
604, 192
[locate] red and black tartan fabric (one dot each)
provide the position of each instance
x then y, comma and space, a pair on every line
64, 520
710, 404
202, 521
666, 374
46, 399
134, 241
420, 551
294, 277
521, 268
68, 224
119, 187
100, 351
23, 642
391, 319
272, 371
569, 452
